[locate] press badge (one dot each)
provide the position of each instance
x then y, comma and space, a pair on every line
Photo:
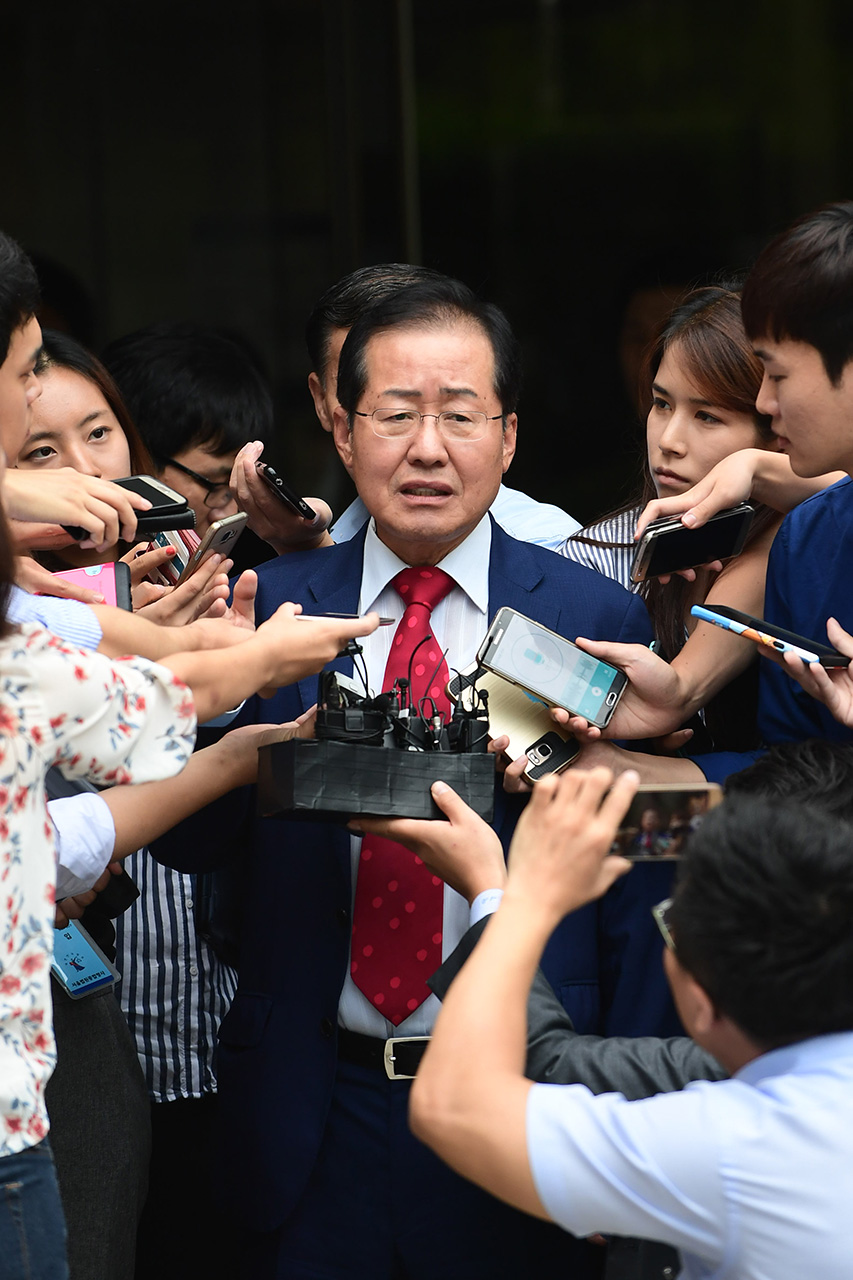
79, 965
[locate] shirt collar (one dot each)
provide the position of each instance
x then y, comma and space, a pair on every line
467, 564
799, 1059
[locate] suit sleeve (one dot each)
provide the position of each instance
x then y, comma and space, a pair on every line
557, 1054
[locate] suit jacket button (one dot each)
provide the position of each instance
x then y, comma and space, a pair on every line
343, 917
326, 1028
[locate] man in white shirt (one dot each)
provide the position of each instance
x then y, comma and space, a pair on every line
750, 1177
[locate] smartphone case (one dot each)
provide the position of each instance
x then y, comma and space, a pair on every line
112, 580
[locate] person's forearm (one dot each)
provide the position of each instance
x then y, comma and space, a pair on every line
124, 633
776, 485
144, 812
218, 683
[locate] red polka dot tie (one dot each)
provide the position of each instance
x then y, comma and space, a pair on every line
396, 936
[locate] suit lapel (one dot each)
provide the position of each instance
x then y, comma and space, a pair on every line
516, 581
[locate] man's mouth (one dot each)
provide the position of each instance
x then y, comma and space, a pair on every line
425, 490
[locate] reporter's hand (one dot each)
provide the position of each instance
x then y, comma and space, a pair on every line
560, 857
239, 747
68, 497
831, 686
204, 594
465, 852
298, 648
33, 577
72, 908
268, 516
651, 704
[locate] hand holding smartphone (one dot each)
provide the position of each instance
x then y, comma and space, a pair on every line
169, 509
551, 668
668, 547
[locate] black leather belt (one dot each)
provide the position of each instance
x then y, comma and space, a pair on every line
399, 1058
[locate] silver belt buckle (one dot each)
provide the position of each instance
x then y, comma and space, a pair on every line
388, 1056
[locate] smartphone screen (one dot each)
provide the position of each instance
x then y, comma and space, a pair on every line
554, 669
661, 820
666, 551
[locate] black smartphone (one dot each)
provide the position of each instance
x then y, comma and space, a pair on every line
667, 546
768, 635
526, 723
290, 499
661, 820
551, 667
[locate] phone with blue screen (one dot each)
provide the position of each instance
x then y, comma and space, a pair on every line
551, 668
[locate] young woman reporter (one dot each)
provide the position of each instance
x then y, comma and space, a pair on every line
80, 422
702, 381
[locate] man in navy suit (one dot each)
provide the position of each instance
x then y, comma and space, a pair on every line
318, 1159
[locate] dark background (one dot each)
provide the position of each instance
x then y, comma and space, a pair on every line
226, 162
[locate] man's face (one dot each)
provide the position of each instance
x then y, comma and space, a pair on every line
214, 467
19, 387
425, 492
812, 419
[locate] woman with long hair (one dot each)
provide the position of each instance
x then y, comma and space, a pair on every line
701, 381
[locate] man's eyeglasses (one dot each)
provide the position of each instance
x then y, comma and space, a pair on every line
217, 495
662, 920
454, 424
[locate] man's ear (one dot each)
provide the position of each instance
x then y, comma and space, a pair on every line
315, 386
509, 435
343, 437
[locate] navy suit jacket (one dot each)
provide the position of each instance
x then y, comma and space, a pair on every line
277, 1051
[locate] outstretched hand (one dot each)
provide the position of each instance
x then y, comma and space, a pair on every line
268, 516
560, 854
464, 851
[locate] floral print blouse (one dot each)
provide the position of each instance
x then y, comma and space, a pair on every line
124, 720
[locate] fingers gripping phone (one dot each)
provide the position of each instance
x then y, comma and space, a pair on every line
221, 536
169, 509
526, 723
769, 635
551, 668
667, 546
290, 499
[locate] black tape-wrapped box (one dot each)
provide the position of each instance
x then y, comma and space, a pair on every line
334, 781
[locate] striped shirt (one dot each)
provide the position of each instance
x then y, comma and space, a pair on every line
612, 562
174, 989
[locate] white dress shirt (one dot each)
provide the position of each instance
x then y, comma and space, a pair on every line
460, 621
520, 516
751, 1178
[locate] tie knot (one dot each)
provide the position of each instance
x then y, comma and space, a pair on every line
422, 584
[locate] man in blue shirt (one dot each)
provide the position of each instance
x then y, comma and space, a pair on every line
750, 1176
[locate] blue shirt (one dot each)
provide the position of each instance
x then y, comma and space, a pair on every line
751, 1178
71, 619
808, 580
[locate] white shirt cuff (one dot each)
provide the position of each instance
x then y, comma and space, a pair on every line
485, 904
85, 839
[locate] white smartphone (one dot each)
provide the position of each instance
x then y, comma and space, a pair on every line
551, 667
